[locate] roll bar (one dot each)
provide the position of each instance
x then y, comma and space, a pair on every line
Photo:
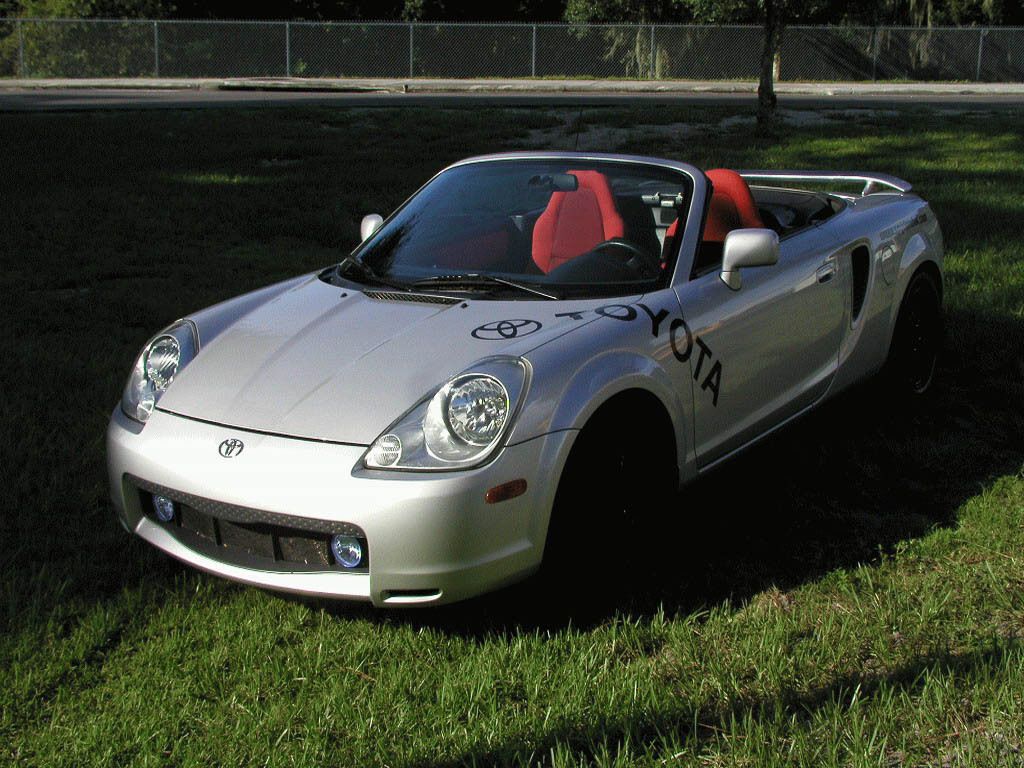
873, 182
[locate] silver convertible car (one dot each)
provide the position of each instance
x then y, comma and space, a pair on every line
531, 347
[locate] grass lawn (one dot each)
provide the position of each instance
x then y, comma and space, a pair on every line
849, 594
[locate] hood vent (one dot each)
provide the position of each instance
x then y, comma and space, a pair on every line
420, 298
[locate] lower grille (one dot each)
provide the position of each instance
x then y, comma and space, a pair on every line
265, 546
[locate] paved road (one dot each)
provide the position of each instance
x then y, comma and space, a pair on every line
49, 99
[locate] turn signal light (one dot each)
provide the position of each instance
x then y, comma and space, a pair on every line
505, 491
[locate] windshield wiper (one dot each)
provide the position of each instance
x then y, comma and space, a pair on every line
366, 274
475, 279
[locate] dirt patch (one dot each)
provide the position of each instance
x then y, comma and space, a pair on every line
566, 136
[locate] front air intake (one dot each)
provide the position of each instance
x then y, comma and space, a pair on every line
420, 298
251, 538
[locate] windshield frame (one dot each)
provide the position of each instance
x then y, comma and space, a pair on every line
692, 214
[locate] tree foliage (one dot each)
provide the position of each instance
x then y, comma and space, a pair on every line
616, 11
87, 9
868, 12
496, 10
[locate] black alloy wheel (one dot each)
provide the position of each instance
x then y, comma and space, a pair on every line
918, 336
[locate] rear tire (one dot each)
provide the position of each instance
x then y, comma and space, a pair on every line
917, 338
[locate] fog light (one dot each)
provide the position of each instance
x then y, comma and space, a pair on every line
347, 551
164, 509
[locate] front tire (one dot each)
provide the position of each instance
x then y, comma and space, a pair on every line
616, 487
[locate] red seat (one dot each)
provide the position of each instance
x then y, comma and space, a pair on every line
732, 206
574, 222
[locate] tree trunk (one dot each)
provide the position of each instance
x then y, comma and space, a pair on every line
766, 88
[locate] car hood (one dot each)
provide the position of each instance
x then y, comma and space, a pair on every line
323, 363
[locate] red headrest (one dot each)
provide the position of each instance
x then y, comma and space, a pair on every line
732, 206
574, 222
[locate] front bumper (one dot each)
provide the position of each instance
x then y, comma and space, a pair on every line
431, 536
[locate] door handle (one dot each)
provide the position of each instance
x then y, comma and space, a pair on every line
826, 271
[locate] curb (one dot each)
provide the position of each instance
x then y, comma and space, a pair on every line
111, 84
436, 85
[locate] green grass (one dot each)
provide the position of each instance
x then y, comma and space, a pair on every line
850, 594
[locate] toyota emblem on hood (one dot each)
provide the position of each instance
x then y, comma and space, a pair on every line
231, 448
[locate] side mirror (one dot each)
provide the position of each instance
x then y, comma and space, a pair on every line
747, 248
370, 224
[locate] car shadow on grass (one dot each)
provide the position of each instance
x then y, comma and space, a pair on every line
837, 488
680, 723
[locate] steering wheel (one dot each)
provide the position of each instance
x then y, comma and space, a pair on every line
633, 255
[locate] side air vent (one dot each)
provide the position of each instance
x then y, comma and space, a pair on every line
861, 263
420, 298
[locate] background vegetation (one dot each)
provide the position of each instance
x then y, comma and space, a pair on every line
850, 594
623, 46
870, 12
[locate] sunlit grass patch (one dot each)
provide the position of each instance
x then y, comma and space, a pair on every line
221, 178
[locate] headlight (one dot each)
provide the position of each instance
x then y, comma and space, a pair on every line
160, 361
459, 426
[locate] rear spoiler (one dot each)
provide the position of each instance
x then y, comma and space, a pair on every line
873, 182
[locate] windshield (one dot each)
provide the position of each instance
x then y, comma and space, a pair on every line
533, 229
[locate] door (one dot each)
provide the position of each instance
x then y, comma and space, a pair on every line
765, 352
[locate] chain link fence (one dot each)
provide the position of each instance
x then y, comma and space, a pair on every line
135, 48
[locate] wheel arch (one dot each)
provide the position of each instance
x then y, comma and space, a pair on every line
926, 266
614, 377
642, 405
